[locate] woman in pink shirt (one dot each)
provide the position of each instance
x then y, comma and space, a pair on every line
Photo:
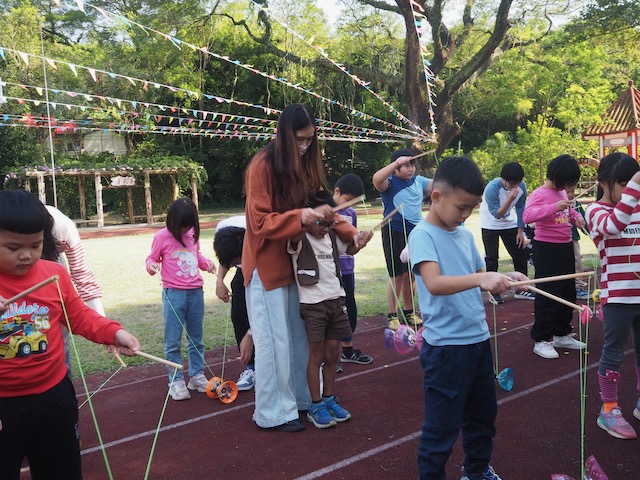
552, 212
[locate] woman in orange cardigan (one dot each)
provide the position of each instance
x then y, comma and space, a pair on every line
279, 182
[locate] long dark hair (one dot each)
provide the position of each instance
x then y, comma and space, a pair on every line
294, 178
21, 212
617, 167
183, 213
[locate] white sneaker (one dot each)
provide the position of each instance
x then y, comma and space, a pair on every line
568, 342
545, 350
178, 390
198, 382
246, 380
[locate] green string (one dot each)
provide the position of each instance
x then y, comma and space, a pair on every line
155, 436
84, 383
100, 387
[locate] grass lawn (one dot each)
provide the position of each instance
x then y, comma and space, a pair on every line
133, 297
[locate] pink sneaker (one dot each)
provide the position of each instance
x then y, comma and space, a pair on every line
615, 424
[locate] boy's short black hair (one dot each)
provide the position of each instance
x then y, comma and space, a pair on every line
350, 184
460, 172
21, 212
403, 152
227, 244
563, 171
321, 197
512, 172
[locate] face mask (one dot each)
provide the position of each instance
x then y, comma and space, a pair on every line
302, 149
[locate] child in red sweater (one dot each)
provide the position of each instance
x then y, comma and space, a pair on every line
38, 407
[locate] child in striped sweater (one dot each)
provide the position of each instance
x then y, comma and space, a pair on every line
614, 223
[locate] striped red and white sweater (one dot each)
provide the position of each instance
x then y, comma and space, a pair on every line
615, 229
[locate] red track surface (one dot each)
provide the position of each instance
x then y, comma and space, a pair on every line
538, 427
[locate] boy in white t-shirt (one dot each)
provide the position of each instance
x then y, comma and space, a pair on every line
322, 307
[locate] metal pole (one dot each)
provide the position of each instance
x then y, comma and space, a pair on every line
46, 93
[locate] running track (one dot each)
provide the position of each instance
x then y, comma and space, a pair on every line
538, 426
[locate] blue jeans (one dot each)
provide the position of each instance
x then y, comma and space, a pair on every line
282, 353
183, 309
459, 395
619, 320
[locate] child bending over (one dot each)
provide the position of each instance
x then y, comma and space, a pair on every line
322, 307
459, 381
38, 406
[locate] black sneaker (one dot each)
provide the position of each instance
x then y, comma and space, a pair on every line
339, 368
497, 298
292, 426
356, 356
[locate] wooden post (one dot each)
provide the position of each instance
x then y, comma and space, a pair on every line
175, 188
194, 190
130, 205
42, 194
99, 205
82, 197
147, 197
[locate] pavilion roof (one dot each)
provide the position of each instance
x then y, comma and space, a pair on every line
623, 115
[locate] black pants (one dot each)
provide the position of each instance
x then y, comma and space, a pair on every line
553, 318
44, 429
490, 239
239, 316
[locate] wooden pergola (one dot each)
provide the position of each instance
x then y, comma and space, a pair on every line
620, 125
118, 179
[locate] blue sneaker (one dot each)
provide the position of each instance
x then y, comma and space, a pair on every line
582, 294
320, 416
338, 413
488, 475
636, 411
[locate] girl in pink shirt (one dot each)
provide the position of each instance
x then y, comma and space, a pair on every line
614, 222
552, 212
176, 249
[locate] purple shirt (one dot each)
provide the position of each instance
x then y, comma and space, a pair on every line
346, 261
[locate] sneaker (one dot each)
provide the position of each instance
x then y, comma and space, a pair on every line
568, 341
545, 350
525, 295
246, 380
393, 323
178, 390
490, 474
497, 298
636, 411
292, 426
414, 320
615, 424
198, 382
339, 368
582, 294
356, 357
337, 412
320, 416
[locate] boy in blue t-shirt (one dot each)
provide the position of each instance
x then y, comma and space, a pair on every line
399, 186
459, 381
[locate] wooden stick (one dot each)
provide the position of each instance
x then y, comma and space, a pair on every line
388, 217
350, 203
29, 290
119, 358
537, 291
552, 279
159, 360
586, 191
422, 154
